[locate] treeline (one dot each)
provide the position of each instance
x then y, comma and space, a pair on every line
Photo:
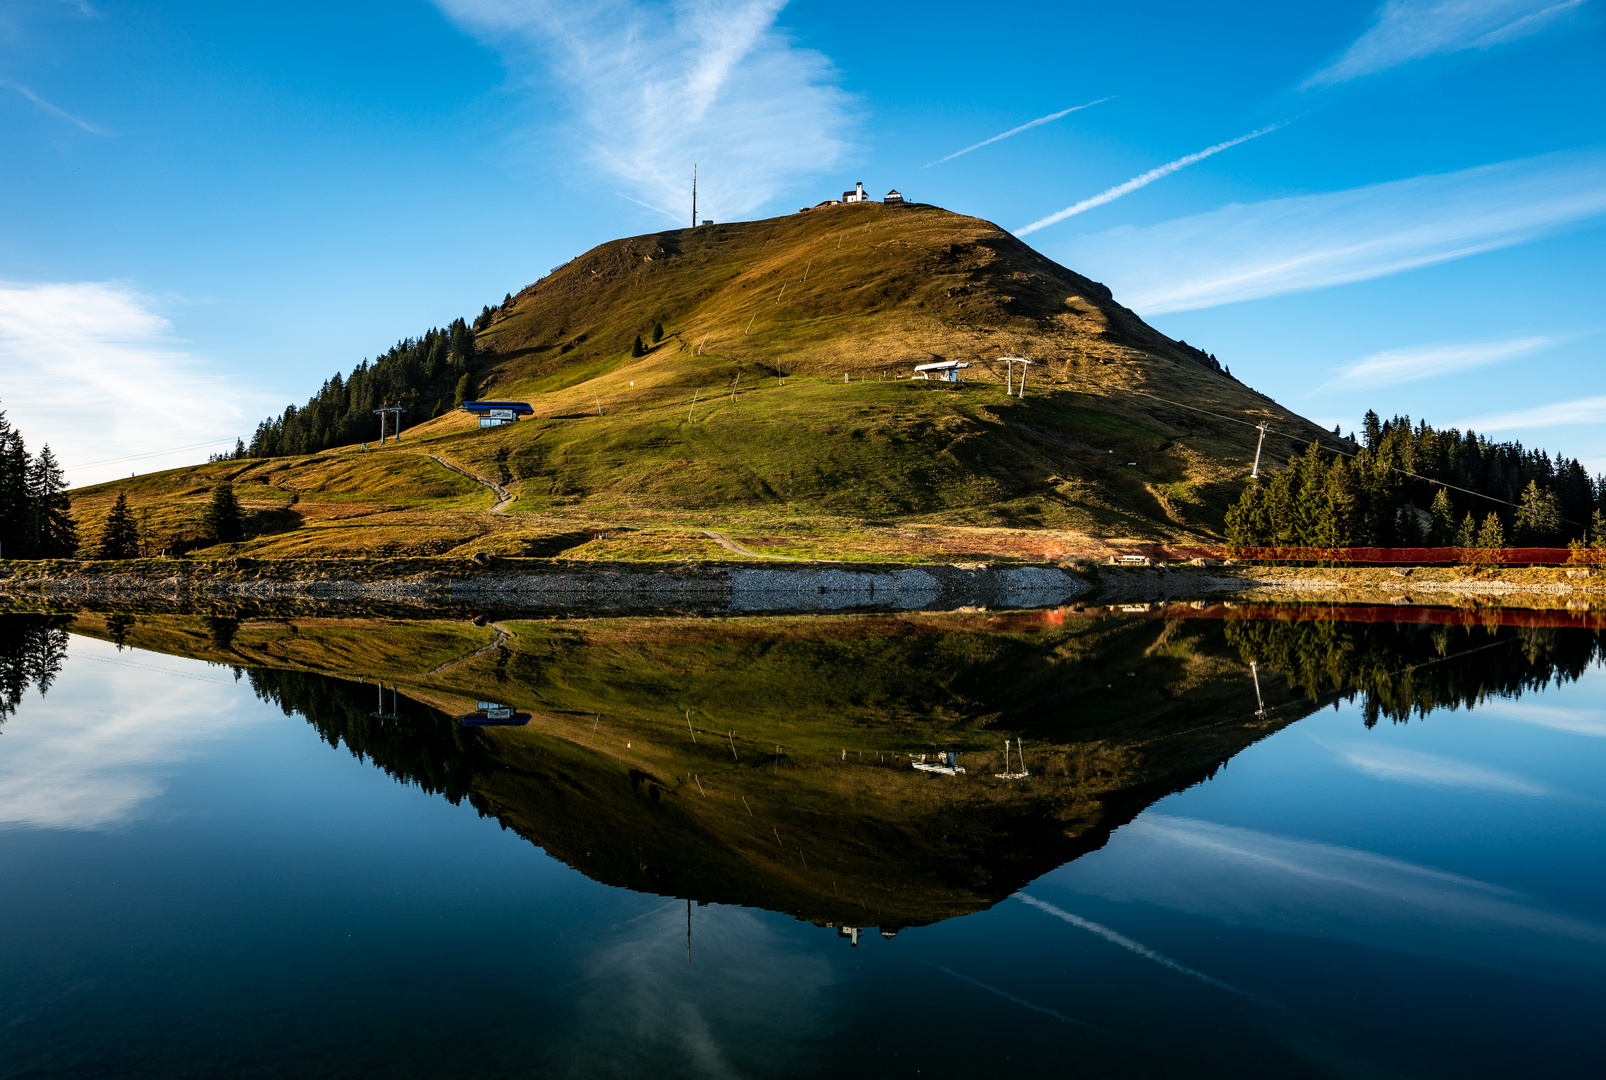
35, 510
427, 751
1400, 490
1401, 670
426, 376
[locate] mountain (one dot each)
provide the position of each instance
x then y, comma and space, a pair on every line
779, 400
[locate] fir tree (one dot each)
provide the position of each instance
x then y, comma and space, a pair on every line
222, 523
1467, 535
657, 332
465, 389
120, 537
636, 348
55, 532
1492, 534
1597, 529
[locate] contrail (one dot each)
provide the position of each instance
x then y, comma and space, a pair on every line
650, 206
1016, 131
1012, 997
1143, 181
63, 113
1142, 950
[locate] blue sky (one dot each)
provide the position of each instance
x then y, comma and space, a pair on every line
211, 208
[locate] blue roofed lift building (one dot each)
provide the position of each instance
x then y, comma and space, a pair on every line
497, 413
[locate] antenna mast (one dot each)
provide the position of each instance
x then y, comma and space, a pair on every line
694, 194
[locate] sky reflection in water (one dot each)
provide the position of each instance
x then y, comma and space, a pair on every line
221, 892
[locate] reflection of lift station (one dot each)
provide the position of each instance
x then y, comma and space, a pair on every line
492, 714
1006, 774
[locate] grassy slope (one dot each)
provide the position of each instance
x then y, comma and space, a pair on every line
857, 291
603, 778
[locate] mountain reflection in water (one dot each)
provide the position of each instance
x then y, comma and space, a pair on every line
766, 762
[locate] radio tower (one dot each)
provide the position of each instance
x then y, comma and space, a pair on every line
694, 194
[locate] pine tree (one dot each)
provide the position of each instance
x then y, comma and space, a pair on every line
120, 537
636, 348
55, 532
222, 523
1442, 533
657, 332
1492, 535
1467, 535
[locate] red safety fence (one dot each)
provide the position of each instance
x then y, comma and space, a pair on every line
1413, 556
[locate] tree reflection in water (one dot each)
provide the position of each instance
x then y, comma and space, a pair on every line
32, 648
1403, 669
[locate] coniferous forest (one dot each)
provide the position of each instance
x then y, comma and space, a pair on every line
426, 376
35, 510
1412, 486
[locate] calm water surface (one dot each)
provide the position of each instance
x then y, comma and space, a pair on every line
198, 883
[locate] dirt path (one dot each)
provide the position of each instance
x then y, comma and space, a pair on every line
732, 546
504, 497
503, 636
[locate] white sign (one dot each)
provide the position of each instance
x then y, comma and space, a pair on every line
501, 414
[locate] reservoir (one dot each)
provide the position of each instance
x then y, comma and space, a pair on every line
1221, 842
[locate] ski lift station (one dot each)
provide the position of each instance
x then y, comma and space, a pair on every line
497, 413
947, 371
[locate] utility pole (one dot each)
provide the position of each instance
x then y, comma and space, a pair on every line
1255, 473
694, 194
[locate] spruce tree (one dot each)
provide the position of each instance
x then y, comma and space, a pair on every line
1443, 513
1538, 519
1467, 535
16, 535
465, 389
55, 532
222, 523
1597, 529
120, 537
636, 348
657, 332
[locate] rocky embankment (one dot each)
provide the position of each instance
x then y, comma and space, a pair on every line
578, 587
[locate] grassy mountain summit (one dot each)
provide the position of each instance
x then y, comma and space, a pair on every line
779, 399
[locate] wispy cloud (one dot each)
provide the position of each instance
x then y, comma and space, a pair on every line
94, 370
1394, 366
1244, 877
104, 743
1050, 118
57, 111
1589, 410
1589, 722
1407, 30
1413, 767
653, 88
749, 999
1245, 252
1137, 182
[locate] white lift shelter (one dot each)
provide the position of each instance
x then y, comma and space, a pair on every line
947, 371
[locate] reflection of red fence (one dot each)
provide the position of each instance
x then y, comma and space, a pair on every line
1417, 556
1362, 613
